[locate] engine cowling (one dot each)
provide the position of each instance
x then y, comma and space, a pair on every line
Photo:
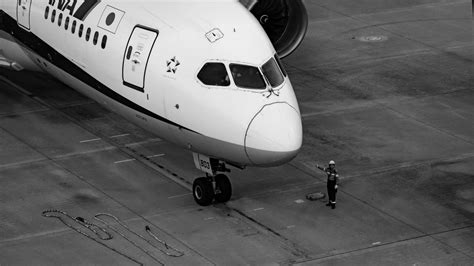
284, 21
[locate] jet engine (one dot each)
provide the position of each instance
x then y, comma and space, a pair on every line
284, 21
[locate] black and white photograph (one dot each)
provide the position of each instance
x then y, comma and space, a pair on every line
237, 132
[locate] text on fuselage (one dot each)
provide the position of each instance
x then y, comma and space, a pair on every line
77, 8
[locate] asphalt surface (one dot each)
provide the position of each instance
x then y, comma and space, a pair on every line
385, 89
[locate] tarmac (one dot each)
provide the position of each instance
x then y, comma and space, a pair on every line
385, 89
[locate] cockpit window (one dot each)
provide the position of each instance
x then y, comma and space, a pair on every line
281, 65
214, 74
247, 77
272, 73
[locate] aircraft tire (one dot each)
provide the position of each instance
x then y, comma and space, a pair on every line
224, 186
203, 192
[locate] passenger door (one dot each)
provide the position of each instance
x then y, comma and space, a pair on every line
23, 9
137, 54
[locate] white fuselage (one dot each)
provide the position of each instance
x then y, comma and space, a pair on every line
142, 60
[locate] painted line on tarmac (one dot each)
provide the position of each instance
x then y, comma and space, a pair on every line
7, 81
25, 112
156, 155
17, 164
125, 161
179, 196
258, 209
299, 201
376, 243
89, 140
119, 136
147, 141
129, 151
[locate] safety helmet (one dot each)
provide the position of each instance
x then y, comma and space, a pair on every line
332, 162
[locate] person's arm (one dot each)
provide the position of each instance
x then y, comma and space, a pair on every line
336, 178
321, 168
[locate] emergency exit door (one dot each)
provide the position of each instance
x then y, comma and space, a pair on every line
137, 54
23, 9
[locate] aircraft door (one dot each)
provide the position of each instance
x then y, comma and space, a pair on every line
23, 13
137, 54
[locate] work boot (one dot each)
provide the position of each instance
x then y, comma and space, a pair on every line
333, 206
328, 204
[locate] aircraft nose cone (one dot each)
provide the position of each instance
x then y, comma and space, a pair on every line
274, 136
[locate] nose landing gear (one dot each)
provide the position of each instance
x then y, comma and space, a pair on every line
203, 191
213, 187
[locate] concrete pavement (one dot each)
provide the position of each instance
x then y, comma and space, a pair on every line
385, 89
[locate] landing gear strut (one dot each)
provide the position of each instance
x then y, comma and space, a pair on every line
213, 187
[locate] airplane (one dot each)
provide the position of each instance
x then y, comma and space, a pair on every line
204, 75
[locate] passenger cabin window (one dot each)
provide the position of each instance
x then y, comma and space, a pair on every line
272, 72
104, 41
73, 25
60, 19
73, 28
247, 77
214, 74
88, 34
96, 38
81, 28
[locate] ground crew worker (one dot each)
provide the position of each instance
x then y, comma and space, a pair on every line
333, 179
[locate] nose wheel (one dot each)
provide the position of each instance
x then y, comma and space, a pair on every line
203, 191
212, 188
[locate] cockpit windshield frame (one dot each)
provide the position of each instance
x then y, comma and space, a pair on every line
247, 77
214, 73
225, 74
272, 72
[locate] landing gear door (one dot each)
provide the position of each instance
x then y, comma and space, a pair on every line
137, 54
203, 163
23, 9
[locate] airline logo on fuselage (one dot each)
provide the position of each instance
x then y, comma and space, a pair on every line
76, 8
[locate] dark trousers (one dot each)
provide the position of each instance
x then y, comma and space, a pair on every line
332, 191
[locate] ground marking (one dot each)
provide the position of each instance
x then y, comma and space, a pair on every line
178, 196
299, 201
258, 209
119, 136
90, 140
125, 161
376, 243
156, 155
